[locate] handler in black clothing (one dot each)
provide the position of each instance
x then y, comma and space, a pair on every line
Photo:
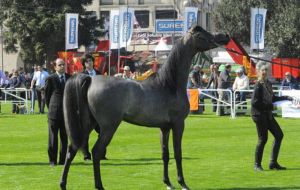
88, 63
261, 109
54, 89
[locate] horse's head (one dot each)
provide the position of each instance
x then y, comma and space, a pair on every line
203, 40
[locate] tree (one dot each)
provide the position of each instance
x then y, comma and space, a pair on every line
37, 27
282, 35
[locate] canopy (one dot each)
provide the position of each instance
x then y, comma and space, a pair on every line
162, 46
223, 57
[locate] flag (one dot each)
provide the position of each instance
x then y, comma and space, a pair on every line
114, 30
126, 23
71, 31
190, 17
258, 17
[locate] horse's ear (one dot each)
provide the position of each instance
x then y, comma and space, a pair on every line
195, 28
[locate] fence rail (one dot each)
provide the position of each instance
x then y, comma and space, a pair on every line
14, 96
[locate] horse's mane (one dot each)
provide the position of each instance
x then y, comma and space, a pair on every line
165, 77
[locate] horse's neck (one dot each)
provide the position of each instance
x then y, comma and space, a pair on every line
178, 64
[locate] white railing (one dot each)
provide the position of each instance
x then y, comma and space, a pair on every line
225, 103
15, 93
232, 101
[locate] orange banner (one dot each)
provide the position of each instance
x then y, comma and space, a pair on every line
193, 95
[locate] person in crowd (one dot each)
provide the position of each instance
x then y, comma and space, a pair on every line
261, 111
224, 82
195, 78
289, 82
15, 82
4, 79
88, 64
38, 80
33, 88
54, 89
127, 73
241, 82
213, 81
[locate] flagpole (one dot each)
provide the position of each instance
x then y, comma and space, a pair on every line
109, 60
66, 25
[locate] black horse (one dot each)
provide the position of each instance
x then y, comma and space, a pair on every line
160, 101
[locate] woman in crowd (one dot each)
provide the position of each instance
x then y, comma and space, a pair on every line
262, 107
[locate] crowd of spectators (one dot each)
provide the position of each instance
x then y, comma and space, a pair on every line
226, 80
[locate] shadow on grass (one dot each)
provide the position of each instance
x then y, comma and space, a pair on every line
130, 162
149, 159
256, 188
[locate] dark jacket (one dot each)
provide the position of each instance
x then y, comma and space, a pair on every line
263, 98
15, 82
224, 81
213, 78
292, 84
54, 91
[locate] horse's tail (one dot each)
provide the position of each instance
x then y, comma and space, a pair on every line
76, 110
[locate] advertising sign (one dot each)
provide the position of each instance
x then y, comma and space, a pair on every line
190, 17
258, 17
168, 26
71, 31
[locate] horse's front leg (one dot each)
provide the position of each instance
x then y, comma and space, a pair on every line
178, 129
69, 158
164, 140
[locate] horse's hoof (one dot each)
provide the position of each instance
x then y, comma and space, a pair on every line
63, 186
170, 187
100, 188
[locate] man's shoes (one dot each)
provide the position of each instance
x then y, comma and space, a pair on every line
52, 164
258, 168
104, 158
276, 166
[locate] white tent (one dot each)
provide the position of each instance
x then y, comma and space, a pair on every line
162, 46
223, 57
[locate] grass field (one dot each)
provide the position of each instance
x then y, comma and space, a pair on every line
218, 153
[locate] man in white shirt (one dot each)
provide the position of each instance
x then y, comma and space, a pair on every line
38, 80
241, 82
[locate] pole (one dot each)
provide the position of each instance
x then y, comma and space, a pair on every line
2, 48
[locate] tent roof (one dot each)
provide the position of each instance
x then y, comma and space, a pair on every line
162, 46
223, 57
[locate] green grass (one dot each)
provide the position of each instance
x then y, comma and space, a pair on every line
218, 153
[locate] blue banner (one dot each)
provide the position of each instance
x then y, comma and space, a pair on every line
190, 17
71, 31
168, 26
257, 38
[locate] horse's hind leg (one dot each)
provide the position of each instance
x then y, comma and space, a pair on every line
177, 138
98, 152
69, 158
164, 140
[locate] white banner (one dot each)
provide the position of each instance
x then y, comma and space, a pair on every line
114, 29
126, 23
291, 109
71, 31
190, 17
258, 18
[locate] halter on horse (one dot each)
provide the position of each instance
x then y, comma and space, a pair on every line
160, 101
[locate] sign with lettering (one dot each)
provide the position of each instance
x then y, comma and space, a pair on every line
71, 31
168, 26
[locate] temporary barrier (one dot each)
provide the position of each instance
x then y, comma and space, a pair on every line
233, 103
15, 94
225, 103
